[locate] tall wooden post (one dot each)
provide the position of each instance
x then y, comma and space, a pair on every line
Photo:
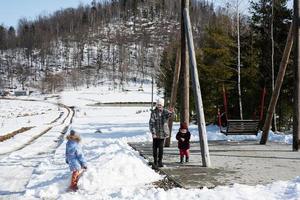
296, 116
278, 84
197, 92
186, 79
184, 115
239, 61
152, 91
174, 95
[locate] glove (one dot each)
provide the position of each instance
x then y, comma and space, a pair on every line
67, 162
171, 110
153, 135
84, 167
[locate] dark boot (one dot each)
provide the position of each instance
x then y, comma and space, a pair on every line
154, 167
160, 164
186, 159
181, 159
155, 161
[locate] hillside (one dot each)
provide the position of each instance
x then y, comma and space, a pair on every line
116, 41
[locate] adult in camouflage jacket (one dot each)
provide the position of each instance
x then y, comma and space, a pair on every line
159, 129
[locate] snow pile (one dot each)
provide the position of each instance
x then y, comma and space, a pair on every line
111, 166
279, 137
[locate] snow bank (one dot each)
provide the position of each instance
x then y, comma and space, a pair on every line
213, 133
111, 166
116, 165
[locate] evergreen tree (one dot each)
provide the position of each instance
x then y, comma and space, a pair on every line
261, 27
215, 65
11, 38
2, 37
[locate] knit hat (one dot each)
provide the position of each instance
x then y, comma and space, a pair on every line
183, 125
72, 132
161, 102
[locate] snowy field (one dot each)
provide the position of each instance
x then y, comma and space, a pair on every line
17, 114
93, 95
115, 170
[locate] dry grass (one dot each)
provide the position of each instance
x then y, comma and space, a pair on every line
12, 134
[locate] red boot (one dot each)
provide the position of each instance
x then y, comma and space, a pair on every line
74, 180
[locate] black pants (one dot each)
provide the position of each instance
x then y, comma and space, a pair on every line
158, 144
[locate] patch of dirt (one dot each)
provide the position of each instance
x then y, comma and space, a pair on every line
12, 134
166, 184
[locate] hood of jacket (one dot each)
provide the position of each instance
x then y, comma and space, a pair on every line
75, 138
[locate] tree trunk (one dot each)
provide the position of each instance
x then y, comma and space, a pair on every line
272, 57
296, 118
276, 92
174, 95
239, 62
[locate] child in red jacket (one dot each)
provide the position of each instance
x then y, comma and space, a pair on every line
183, 137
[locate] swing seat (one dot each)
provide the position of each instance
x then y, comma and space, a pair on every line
241, 127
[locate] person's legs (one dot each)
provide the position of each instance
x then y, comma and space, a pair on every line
74, 180
181, 153
160, 151
155, 147
187, 155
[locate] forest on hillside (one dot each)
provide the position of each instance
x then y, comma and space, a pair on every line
134, 40
118, 40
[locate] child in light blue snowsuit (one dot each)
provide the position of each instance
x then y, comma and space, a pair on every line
75, 158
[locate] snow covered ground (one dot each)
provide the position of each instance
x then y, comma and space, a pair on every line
115, 170
16, 114
93, 95
16, 168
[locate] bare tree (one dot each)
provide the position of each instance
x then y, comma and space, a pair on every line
239, 58
53, 83
272, 60
22, 74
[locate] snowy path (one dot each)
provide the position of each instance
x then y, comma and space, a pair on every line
33, 148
